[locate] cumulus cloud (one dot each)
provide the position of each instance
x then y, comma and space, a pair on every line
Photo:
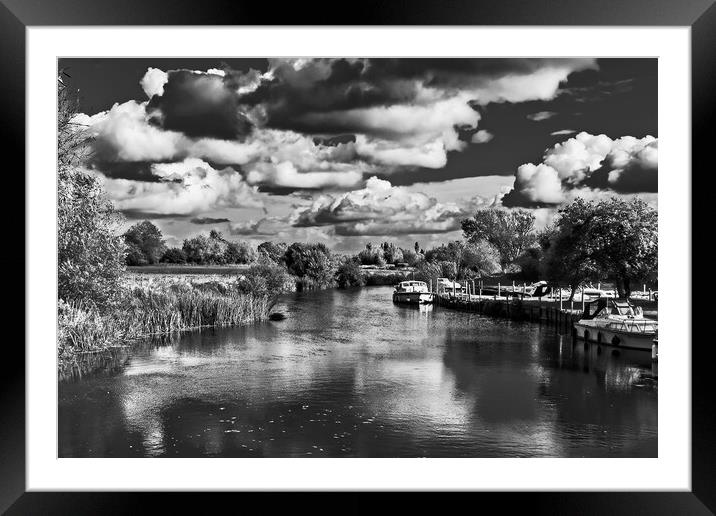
189, 187
199, 105
250, 227
153, 82
380, 209
276, 127
482, 136
585, 165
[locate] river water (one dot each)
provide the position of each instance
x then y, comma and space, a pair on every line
349, 374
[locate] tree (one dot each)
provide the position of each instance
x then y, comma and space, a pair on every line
174, 255
508, 231
311, 261
239, 252
90, 251
372, 255
266, 277
468, 259
391, 253
196, 249
145, 244
410, 257
610, 239
349, 274
274, 251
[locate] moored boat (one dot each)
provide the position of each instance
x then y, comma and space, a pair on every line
412, 292
616, 322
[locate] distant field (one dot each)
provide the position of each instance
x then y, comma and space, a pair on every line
187, 269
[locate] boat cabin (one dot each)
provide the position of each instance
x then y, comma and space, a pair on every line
605, 306
411, 286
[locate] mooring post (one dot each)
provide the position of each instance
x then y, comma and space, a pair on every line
498, 290
560, 299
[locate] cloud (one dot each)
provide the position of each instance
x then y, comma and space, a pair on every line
153, 82
562, 132
207, 220
585, 165
189, 187
380, 209
251, 227
541, 115
482, 136
199, 105
632, 166
285, 174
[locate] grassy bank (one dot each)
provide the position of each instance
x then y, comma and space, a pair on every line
156, 308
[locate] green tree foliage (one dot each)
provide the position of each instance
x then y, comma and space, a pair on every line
274, 251
90, 250
312, 262
610, 239
349, 273
144, 244
508, 231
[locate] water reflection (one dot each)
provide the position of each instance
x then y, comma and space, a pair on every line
350, 374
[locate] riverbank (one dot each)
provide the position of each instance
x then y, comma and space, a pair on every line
150, 308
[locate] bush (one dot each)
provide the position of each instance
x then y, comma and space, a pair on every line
174, 255
90, 253
274, 251
266, 277
312, 264
349, 274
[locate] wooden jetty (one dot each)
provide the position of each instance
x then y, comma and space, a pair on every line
533, 310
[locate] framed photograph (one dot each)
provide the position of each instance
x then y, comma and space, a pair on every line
416, 249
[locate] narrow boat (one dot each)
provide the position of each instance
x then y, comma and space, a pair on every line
616, 322
412, 292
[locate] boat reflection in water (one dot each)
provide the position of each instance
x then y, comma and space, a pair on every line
350, 374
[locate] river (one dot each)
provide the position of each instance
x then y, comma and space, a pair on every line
350, 374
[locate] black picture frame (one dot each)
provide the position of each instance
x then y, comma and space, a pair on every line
700, 15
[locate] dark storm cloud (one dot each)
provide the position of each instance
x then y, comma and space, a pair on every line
199, 105
207, 220
295, 98
141, 214
594, 101
132, 170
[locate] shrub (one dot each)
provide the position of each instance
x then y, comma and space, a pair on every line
174, 255
349, 274
266, 277
89, 251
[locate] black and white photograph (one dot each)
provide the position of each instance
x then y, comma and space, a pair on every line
357, 257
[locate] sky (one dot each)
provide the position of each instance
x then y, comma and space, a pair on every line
351, 151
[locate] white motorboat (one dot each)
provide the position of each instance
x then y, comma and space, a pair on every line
616, 322
412, 292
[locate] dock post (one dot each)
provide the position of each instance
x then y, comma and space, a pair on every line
498, 290
560, 299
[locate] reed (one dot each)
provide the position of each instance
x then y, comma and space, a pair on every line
156, 310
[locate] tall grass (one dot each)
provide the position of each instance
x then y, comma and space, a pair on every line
156, 310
